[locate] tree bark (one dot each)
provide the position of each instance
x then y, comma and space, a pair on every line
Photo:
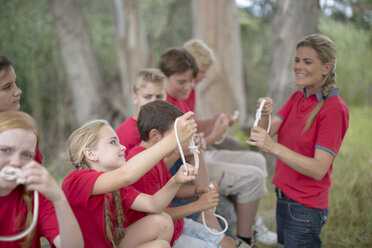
132, 45
83, 73
293, 19
216, 23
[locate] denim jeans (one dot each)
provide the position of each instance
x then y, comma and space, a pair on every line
298, 225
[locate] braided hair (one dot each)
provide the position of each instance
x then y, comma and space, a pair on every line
87, 136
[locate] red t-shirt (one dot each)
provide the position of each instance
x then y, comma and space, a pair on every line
184, 105
89, 209
13, 210
151, 183
326, 133
128, 134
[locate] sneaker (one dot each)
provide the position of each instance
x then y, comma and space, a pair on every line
241, 244
262, 234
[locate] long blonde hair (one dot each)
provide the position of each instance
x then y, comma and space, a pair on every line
326, 51
19, 120
87, 136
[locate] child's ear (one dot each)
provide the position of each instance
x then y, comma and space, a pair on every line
155, 135
134, 99
90, 154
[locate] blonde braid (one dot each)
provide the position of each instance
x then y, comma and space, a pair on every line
119, 217
108, 224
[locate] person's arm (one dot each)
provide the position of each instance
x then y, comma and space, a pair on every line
315, 167
220, 127
160, 200
137, 166
206, 201
38, 178
186, 191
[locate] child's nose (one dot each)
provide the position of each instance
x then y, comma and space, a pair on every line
15, 161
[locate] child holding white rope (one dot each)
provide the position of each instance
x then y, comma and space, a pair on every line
241, 174
149, 85
55, 220
99, 194
155, 120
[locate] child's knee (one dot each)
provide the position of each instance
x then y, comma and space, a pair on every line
163, 221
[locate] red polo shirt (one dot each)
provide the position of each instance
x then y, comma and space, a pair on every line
326, 133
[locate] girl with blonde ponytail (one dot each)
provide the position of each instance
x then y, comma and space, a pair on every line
310, 128
99, 194
55, 220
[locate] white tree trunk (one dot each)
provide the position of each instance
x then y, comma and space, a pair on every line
83, 74
293, 20
216, 22
131, 42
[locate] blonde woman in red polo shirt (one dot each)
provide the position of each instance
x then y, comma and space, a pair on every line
310, 128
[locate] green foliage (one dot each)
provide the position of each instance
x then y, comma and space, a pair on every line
354, 55
28, 38
168, 24
256, 46
350, 218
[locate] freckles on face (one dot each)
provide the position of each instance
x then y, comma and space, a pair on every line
17, 147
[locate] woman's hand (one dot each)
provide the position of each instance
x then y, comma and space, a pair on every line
260, 138
267, 108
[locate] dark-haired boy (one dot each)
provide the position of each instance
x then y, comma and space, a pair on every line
155, 120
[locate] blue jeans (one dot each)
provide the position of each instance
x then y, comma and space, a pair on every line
298, 225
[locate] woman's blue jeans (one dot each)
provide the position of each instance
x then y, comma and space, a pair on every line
298, 225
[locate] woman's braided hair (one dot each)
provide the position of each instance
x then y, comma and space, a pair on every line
326, 51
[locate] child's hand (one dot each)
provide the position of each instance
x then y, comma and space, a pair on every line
221, 125
201, 189
186, 126
208, 200
38, 178
183, 176
267, 108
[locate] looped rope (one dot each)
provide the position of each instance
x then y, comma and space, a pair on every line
10, 173
195, 150
258, 115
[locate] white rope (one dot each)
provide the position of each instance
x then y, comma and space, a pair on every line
194, 149
211, 187
258, 115
10, 173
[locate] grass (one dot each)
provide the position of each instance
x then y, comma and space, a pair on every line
350, 216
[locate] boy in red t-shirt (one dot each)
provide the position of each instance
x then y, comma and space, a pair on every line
154, 122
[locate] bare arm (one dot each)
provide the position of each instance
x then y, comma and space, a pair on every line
38, 178
315, 167
69, 230
206, 201
137, 166
160, 200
